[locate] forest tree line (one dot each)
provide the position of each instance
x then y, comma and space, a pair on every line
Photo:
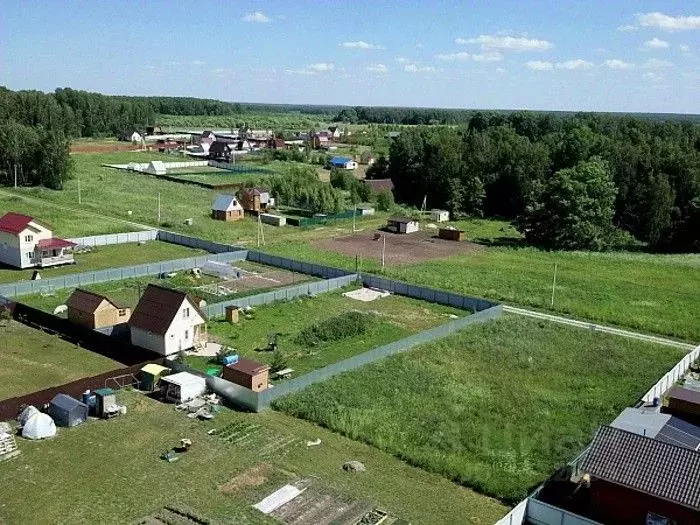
587, 181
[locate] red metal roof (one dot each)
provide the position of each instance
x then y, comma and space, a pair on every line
248, 366
14, 222
53, 243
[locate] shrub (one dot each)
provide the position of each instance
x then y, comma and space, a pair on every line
385, 201
279, 361
335, 328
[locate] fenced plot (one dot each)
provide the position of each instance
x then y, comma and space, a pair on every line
398, 248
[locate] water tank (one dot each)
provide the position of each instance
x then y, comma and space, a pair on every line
230, 359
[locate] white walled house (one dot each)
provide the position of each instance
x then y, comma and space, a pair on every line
402, 225
24, 243
439, 215
166, 321
136, 138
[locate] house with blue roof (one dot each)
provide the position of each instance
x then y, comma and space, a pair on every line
345, 163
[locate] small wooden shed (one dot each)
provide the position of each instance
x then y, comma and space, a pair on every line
231, 314
150, 376
226, 208
451, 234
683, 402
439, 215
94, 310
248, 373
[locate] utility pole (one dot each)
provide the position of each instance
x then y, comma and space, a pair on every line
354, 211
383, 250
158, 208
554, 283
15, 175
80, 197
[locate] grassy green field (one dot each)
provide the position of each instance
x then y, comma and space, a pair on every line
128, 291
652, 293
63, 223
32, 360
395, 317
88, 473
497, 407
110, 256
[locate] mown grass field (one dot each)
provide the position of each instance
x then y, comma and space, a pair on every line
110, 256
32, 360
497, 407
110, 471
394, 317
127, 292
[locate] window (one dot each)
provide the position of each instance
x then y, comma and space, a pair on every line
30, 255
28, 238
187, 335
122, 312
185, 313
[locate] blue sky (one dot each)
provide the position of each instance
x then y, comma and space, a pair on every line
613, 55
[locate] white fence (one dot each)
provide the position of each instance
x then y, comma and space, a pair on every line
671, 376
141, 166
515, 516
116, 238
537, 512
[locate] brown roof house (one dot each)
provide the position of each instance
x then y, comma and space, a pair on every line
638, 479
167, 321
226, 208
247, 373
256, 200
93, 310
276, 143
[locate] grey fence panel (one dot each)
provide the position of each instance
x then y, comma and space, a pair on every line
116, 238
351, 363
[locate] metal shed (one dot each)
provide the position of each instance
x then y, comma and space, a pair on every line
151, 375
67, 411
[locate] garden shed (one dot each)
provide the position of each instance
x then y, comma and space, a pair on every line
150, 376
402, 225
67, 411
439, 215
247, 373
226, 208
182, 387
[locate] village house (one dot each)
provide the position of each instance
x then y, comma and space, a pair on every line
320, 140
256, 200
345, 163
402, 225
154, 130
136, 138
638, 479
226, 208
220, 150
167, 321
247, 373
379, 185
207, 137
334, 133
367, 158
93, 310
276, 143
24, 243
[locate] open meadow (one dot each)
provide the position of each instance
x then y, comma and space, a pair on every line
32, 360
305, 348
110, 256
87, 473
497, 407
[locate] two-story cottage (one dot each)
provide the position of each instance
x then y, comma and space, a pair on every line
24, 243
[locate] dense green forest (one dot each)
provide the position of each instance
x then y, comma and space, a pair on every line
601, 176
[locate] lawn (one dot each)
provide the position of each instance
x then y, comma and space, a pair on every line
650, 293
497, 407
32, 360
394, 317
127, 292
110, 256
110, 471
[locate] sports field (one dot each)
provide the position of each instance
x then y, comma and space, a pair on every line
497, 407
32, 360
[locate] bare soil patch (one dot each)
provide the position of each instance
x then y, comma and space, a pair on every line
103, 147
400, 248
253, 477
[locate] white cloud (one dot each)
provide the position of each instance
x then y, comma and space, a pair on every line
654, 63
413, 68
218, 71
653, 77
627, 27
322, 66
616, 63
491, 56
312, 69
377, 68
668, 23
500, 70
198, 62
656, 43
402, 60
463, 55
359, 44
575, 64
538, 65
507, 43
257, 17
685, 48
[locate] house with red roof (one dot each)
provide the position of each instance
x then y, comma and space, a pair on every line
24, 243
